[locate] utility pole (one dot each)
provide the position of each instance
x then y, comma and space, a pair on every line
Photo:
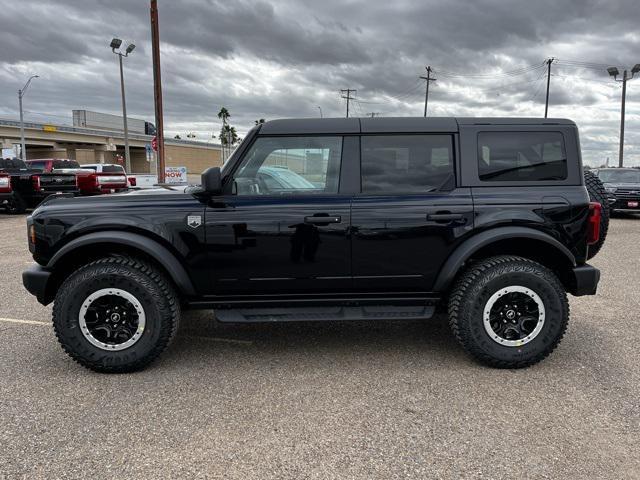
21, 92
546, 103
157, 87
622, 110
348, 91
428, 79
614, 72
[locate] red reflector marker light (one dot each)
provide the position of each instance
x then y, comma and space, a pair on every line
36, 182
593, 231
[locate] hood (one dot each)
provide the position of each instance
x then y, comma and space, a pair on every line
622, 185
141, 197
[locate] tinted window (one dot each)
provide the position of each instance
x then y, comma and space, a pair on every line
65, 164
38, 165
290, 165
407, 163
521, 156
112, 169
14, 163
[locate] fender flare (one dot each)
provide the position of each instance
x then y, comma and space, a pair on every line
154, 249
464, 251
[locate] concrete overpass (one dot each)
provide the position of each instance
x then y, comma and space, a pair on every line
86, 145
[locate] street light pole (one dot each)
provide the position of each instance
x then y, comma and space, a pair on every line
115, 48
127, 155
614, 72
21, 92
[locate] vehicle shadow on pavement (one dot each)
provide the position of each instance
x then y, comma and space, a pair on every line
429, 340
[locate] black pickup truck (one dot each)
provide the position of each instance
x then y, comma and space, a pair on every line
30, 186
334, 219
623, 188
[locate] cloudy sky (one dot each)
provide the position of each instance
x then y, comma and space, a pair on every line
287, 58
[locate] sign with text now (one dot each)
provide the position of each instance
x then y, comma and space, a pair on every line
177, 175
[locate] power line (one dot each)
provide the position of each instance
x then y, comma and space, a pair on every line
508, 73
348, 91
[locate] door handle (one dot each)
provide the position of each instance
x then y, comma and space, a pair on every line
445, 217
321, 219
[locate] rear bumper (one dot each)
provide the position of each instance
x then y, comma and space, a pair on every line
585, 280
35, 280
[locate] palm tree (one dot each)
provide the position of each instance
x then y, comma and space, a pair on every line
223, 115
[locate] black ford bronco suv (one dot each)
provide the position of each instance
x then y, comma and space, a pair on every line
334, 219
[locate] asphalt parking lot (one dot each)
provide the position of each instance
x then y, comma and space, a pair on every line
342, 400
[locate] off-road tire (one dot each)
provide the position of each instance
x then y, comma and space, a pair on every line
146, 283
474, 288
597, 193
16, 204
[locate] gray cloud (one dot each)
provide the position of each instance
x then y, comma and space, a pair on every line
285, 58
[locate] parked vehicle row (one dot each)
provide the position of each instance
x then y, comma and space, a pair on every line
24, 185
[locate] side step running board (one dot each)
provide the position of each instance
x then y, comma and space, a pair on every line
313, 314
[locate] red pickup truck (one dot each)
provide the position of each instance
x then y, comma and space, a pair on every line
90, 182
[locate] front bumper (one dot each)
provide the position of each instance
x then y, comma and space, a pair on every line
584, 280
35, 279
621, 203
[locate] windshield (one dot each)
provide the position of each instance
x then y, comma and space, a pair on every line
619, 176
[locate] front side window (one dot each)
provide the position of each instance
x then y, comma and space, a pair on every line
521, 156
290, 165
406, 163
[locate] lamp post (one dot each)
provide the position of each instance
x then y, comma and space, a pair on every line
21, 92
614, 72
115, 48
319, 108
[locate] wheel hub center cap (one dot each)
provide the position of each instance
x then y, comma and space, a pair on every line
115, 317
511, 314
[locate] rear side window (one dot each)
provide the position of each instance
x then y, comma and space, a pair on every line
521, 156
406, 163
112, 169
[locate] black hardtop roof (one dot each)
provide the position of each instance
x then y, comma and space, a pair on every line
294, 126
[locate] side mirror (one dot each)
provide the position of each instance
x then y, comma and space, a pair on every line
212, 180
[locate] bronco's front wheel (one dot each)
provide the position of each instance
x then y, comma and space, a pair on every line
116, 314
508, 312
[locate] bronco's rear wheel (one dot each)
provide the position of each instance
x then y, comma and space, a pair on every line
508, 312
116, 314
